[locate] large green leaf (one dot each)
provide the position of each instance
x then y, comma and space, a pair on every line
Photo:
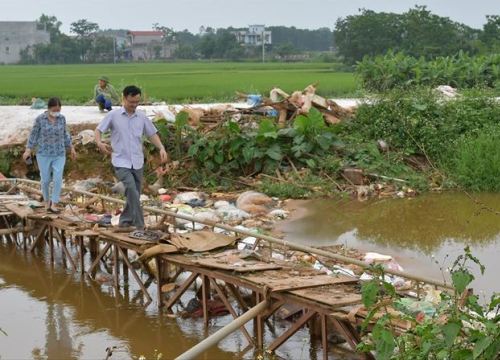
450, 331
461, 279
267, 129
369, 291
181, 119
481, 346
274, 152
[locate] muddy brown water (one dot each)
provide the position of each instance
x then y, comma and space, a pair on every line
48, 313
424, 234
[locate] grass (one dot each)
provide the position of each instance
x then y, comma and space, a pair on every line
171, 82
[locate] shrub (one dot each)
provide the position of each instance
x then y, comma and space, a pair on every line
476, 162
397, 70
418, 121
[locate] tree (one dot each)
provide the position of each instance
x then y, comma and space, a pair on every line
184, 52
83, 28
417, 32
84, 31
491, 32
50, 24
168, 36
429, 35
285, 49
302, 39
369, 33
101, 50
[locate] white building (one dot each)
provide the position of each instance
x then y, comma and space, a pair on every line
18, 35
254, 36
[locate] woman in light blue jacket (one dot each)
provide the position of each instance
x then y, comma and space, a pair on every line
51, 138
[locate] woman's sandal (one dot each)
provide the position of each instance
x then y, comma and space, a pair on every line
53, 210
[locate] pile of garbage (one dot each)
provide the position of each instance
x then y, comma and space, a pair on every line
251, 210
285, 107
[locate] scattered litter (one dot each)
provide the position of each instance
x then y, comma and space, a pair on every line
247, 243
207, 215
391, 279
165, 198
343, 271
37, 103
231, 213
254, 100
87, 184
278, 213
371, 257
413, 307
147, 235
447, 91
221, 203
86, 136
196, 202
319, 266
278, 256
186, 197
253, 202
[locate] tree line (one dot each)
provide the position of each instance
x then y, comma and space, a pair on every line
89, 44
417, 32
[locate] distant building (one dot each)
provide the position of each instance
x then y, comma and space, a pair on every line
18, 35
121, 36
254, 36
149, 45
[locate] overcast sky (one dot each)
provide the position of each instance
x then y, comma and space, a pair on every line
191, 14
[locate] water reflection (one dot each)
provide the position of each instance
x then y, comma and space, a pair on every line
422, 223
58, 342
411, 230
50, 315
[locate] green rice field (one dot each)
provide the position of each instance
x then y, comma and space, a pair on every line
170, 82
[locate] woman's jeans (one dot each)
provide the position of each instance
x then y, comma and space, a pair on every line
51, 169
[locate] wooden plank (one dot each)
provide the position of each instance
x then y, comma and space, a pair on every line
42, 217
20, 210
332, 295
85, 232
14, 230
13, 198
239, 266
285, 280
124, 237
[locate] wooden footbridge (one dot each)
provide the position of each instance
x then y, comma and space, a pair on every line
251, 283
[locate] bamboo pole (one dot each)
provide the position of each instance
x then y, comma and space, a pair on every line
214, 339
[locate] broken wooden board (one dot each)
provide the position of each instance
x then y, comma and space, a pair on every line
12, 198
20, 210
239, 266
85, 232
332, 295
200, 241
157, 250
285, 280
123, 237
42, 216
